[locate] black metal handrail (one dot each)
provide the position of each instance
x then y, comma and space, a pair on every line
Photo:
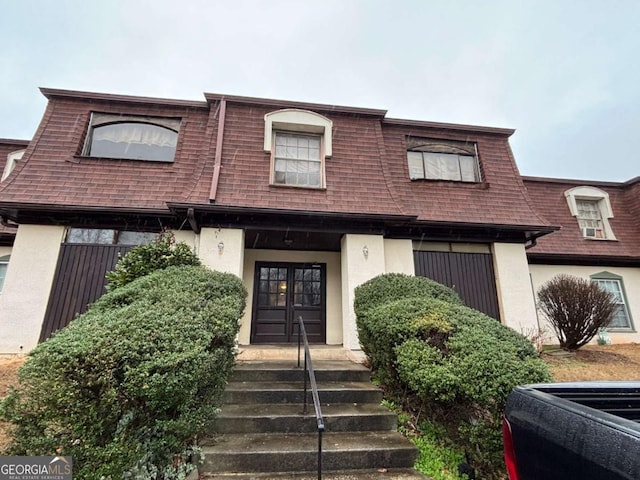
308, 367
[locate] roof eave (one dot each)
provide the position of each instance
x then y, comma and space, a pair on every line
269, 102
507, 132
107, 97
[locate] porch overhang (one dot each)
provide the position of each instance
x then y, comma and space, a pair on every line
141, 219
296, 222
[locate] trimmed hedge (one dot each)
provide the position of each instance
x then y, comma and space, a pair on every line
448, 361
394, 286
127, 386
141, 260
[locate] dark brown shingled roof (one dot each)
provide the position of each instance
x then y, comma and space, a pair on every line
53, 172
7, 146
547, 195
367, 173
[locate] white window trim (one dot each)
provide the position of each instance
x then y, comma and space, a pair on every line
625, 301
595, 195
98, 120
321, 161
12, 161
301, 121
4, 260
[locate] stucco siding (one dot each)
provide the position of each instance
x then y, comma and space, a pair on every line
631, 282
515, 294
25, 295
398, 256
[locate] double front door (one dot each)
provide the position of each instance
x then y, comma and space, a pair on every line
284, 291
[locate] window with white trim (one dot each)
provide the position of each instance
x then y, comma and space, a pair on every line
297, 160
4, 264
299, 142
132, 137
442, 160
12, 160
613, 284
590, 219
592, 209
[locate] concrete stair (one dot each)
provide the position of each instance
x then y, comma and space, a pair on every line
262, 434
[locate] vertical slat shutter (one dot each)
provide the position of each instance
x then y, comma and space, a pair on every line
79, 281
469, 274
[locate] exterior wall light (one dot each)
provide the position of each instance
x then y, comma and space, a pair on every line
365, 251
220, 247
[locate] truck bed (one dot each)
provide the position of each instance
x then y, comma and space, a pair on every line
567, 431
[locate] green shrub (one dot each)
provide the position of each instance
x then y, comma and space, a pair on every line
395, 286
450, 361
127, 386
143, 259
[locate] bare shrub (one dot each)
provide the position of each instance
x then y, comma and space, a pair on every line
576, 308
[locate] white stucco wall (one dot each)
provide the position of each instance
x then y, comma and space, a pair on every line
398, 256
515, 294
630, 279
334, 289
222, 249
357, 268
25, 295
188, 237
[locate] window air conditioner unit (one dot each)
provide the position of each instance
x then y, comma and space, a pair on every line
592, 232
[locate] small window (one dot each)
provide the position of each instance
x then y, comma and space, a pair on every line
439, 160
297, 160
592, 209
299, 142
590, 219
613, 284
12, 160
132, 138
4, 264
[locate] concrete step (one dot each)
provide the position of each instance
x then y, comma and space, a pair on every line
244, 393
288, 418
369, 474
298, 452
287, 371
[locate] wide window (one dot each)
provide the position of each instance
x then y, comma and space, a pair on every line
4, 263
297, 160
442, 160
133, 138
102, 236
613, 284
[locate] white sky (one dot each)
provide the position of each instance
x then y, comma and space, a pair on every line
564, 73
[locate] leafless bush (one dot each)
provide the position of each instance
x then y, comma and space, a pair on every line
576, 309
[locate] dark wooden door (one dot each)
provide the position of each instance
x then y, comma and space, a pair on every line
284, 291
469, 274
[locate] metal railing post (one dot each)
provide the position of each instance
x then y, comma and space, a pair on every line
308, 368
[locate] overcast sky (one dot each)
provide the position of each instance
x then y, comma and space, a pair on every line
564, 73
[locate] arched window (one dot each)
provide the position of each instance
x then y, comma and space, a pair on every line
592, 209
4, 263
133, 138
299, 142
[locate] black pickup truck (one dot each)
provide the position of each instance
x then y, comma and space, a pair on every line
581, 431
